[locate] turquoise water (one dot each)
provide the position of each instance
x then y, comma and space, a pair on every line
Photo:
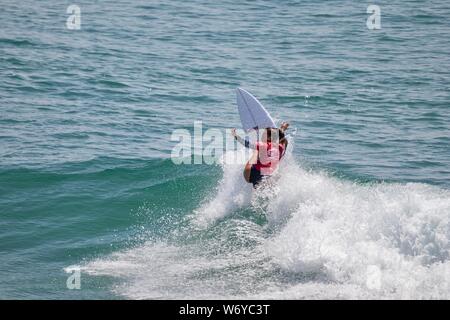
361, 207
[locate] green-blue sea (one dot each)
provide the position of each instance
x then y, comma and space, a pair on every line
359, 208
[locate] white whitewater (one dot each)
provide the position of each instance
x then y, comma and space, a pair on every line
325, 238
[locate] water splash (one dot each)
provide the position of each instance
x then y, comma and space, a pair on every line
324, 238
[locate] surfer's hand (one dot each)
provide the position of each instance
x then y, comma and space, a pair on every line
233, 132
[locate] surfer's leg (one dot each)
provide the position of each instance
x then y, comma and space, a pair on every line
247, 171
248, 166
255, 176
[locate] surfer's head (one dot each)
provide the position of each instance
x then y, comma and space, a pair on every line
272, 134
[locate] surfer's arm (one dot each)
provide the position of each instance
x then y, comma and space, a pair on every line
245, 142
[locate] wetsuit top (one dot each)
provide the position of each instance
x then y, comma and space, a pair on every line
269, 157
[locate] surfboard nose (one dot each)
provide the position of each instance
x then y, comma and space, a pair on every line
252, 112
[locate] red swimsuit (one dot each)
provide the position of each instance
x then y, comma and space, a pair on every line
269, 157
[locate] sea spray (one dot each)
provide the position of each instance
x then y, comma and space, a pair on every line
344, 229
322, 237
231, 193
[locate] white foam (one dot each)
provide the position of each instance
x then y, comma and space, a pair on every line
326, 238
345, 230
232, 192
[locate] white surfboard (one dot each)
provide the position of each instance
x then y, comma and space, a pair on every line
253, 114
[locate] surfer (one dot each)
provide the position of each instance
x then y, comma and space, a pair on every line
266, 155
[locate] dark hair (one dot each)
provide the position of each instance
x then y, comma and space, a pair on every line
281, 135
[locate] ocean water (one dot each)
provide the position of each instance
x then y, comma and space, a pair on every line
359, 209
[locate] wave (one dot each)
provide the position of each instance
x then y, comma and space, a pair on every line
321, 237
400, 232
